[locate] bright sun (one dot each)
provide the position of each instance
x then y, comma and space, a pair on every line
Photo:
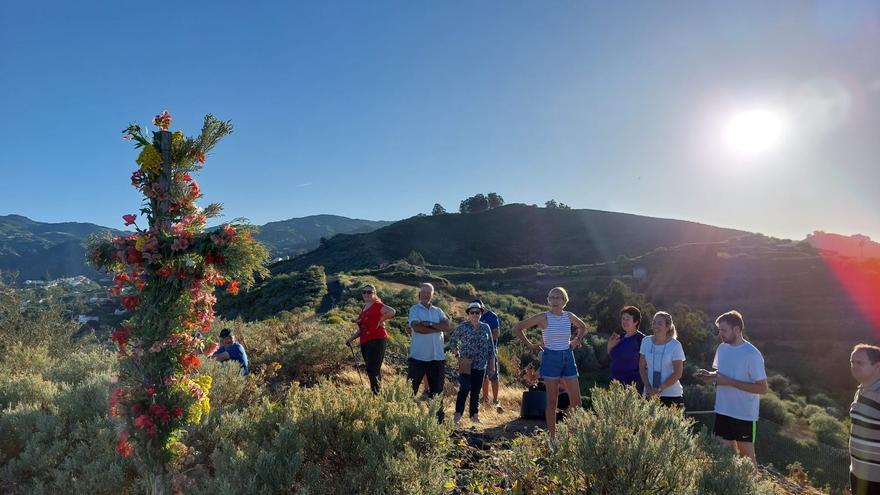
754, 132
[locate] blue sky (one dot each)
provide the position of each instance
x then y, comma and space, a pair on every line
380, 109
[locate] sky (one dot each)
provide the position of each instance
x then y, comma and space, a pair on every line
762, 116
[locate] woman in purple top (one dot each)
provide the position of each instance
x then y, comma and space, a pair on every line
624, 349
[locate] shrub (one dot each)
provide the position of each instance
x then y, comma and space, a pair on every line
333, 440
317, 352
625, 445
774, 409
828, 430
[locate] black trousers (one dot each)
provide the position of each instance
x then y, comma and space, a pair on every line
469, 385
373, 352
863, 487
436, 371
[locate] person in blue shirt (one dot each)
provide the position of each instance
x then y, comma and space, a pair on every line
491, 319
231, 350
624, 349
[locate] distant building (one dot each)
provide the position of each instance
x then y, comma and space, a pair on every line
83, 319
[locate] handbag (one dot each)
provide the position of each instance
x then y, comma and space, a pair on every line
464, 365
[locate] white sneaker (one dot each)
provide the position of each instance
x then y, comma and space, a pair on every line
497, 406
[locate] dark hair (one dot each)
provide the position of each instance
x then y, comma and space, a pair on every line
225, 333
732, 318
632, 311
872, 351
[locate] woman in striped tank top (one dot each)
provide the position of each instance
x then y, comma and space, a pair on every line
558, 356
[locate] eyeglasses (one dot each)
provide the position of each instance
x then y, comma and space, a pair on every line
475, 312
367, 292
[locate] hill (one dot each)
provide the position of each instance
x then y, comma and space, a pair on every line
298, 235
39, 250
510, 235
855, 246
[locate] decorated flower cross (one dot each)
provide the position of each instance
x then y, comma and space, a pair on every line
166, 274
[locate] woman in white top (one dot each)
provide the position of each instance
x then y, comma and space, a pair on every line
661, 361
557, 363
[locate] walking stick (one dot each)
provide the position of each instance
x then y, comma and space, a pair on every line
354, 360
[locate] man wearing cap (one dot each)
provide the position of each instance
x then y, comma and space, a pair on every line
230, 349
426, 355
491, 319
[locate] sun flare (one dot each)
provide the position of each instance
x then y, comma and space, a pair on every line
754, 132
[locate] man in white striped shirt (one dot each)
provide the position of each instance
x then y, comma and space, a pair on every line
864, 436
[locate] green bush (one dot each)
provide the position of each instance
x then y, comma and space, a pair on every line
775, 409
828, 430
624, 445
329, 440
318, 351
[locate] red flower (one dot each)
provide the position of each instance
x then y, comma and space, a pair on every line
211, 349
129, 219
190, 361
160, 412
187, 177
164, 272
201, 158
133, 256
194, 190
122, 446
115, 397
151, 390
143, 421
232, 288
177, 411
121, 278
120, 336
163, 120
130, 302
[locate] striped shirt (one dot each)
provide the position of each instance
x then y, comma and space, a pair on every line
864, 437
557, 335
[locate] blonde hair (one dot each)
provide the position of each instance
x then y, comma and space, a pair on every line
560, 290
669, 323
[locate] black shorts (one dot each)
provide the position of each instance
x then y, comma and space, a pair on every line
735, 429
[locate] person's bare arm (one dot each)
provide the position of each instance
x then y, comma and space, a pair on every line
643, 372
387, 313
520, 330
581, 330
677, 371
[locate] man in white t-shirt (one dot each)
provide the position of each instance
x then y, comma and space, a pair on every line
740, 379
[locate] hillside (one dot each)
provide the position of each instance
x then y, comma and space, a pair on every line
798, 303
855, 246
298, 235
39, 250
510, 235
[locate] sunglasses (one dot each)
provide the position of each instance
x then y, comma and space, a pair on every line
367, 292
475, 312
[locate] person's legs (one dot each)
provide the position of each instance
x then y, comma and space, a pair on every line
464, 389
476, 381
746, 449
486, 387
550, 413
374, 353
859, 486
417, 371
673, 402
436, 372
573, 387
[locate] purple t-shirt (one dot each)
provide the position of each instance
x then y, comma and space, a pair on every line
625, 359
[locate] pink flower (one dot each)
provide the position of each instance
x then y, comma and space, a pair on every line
163, 120
180, 244
129, 219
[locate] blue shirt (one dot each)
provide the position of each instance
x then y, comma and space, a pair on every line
236, 353
625, 359
427, 346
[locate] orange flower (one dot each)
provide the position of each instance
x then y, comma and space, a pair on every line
232, 288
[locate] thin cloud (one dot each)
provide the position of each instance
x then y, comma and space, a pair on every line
304, 184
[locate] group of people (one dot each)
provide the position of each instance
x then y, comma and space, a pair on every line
653, 364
